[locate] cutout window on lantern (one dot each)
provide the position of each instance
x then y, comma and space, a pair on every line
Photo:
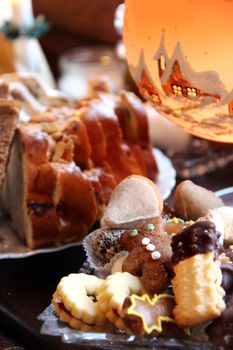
177, 90
192, 92
156, 98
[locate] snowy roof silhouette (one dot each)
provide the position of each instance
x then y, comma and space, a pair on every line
228, 97
161, 51
207, 81
141, 66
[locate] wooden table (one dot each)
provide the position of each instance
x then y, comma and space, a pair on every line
26, 286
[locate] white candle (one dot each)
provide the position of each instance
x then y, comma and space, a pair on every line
5, 11
21, 11
28, 55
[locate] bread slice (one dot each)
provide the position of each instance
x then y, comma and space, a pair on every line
33, 216
75, 202
119, 156
49, 203
135, 198
8, 119
133, 120
95, 134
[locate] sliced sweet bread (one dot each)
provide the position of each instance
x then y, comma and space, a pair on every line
19, 198
64, 165
133, 119
49, 202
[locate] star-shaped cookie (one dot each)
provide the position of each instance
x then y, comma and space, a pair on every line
152, 312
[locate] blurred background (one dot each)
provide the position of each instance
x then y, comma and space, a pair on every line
76, 23
72, 42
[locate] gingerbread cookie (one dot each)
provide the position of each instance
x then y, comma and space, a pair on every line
149, 255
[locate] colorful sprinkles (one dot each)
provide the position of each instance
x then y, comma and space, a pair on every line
145, 241
176, 220
150, 247
155, 254
150, 227
133, 233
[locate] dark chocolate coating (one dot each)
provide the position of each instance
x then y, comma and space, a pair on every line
198, 238
220, 332
227, 277
229, 253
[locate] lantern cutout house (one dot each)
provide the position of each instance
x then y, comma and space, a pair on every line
178, 78
146, 84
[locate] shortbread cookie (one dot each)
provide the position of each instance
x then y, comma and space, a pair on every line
198, 290
197, 282
67, 317
75, 301
112, 295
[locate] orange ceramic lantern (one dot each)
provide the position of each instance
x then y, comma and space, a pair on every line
180, 53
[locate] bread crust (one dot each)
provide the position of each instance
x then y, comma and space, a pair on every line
70, 161
8, 119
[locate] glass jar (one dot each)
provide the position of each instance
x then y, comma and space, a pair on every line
81, 65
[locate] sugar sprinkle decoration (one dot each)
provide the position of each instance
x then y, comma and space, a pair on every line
133, 233
150, 227
145, 240
155, 255
180, 221
150, 247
